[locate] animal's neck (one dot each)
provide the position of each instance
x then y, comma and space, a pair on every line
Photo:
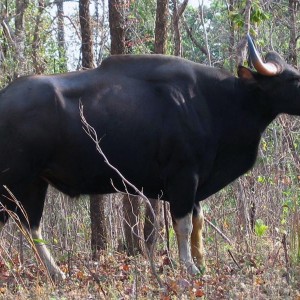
257, 109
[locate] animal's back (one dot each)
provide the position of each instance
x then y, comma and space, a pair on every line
43, 134
135, 103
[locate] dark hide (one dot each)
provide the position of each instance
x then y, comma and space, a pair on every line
177, 130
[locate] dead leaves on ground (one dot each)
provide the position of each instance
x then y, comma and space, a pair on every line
116, 276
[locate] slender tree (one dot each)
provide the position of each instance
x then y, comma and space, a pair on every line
118, 10
201, 9
231, 36
21, 6
86, 34
161, 26
117, 25
293, 9
61, 36
98, 224
38, 65
98, 233
242, 46
178, 10
160, 47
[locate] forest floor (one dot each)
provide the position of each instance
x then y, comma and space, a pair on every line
259, 274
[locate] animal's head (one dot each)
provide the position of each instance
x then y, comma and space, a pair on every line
277, 80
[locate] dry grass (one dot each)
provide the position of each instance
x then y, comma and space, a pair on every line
258, 272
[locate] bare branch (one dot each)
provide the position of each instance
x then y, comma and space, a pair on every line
91, 132
193, 39
218, 231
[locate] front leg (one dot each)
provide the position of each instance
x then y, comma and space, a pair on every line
181, 190
45, 255
183, 229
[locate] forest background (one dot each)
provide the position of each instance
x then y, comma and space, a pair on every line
252, 236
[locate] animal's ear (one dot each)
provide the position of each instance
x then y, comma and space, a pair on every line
246, 74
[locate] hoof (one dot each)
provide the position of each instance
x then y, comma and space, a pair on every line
192, 269
57, 275
200, 263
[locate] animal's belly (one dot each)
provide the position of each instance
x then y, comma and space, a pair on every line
94, 176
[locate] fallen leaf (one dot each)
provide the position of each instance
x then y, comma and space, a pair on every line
259, 281
199, 293
79, 275
166, 261
125, 268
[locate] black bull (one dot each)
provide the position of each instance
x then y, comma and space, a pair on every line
176, 129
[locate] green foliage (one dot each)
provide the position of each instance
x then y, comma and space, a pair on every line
261, 179
172, 234
40, 45
258, 15
40, 242
141, 24
260, 228
290, 219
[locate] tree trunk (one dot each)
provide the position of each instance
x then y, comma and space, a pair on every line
231, 37
150, 233
62, 64
177, 13
242, 46
161, 35
100, 30
86, 35
117, 13
21, 6
293, 5
98, 226
201, 8
117, 25
38, 65
161, 26
98, 230
131, 224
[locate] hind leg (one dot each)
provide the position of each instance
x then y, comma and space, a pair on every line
32, 198
196, 237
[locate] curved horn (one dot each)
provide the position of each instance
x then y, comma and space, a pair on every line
267, 69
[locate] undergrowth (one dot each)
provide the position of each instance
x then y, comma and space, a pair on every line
239, 271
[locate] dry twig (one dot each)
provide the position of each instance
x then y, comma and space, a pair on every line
91, 132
